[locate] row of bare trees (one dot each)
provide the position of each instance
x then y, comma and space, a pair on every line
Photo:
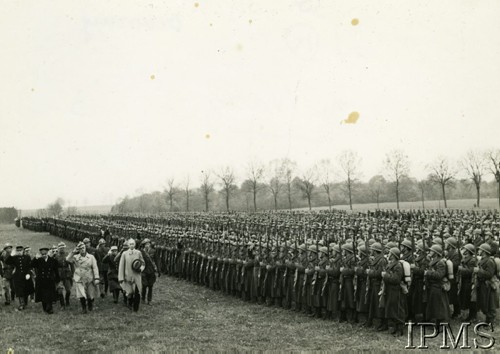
282, 178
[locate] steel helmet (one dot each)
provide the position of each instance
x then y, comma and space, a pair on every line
437, 241
395, 252
335, 248
348, 247
313, 248
451, 241
437, 249
390, 245
407, 244
376, 247
470, 247
486, 248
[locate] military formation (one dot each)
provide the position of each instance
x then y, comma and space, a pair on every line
90, 272
376, 269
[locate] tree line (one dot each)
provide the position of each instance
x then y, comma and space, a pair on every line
281, 184
7, 215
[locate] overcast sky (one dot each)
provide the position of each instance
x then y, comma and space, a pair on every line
105, 98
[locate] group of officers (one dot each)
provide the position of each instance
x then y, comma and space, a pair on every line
51, 275
378, 269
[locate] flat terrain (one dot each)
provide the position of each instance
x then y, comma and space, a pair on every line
183, 316
467, 204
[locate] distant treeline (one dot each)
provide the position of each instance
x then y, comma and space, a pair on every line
283, 185
7, 215
376, 190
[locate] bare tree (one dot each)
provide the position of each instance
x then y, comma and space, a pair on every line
275, 176
207, 187
325, 177
71, 210
255, 173
227, 179
376, 185
494, 157
170, 190
349, 163
289, 168
397, 167
56, 208
423, 185
306, 184
443, 174
187, 191
474, 164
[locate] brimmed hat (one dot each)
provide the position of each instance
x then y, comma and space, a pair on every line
7, 245
137, 264
113, 248
44, 248
61, 245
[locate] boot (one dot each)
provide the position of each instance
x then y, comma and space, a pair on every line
383, 326
115, 296
150, 295
399, 330
90, 304
137, 301
21, 304
368, 323
472, 314
49, 309
61, 300
342, 317
131, 302
317, 312
83, 302
68, 294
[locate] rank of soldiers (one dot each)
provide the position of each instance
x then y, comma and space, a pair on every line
378, 269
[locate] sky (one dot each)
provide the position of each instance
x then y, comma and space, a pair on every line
103, 99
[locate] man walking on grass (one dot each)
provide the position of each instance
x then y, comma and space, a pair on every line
47, 276
86, 276
129, 274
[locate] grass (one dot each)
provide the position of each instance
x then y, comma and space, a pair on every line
183, 316
467, 204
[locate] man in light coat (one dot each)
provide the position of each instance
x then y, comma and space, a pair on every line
130, 280
86, 276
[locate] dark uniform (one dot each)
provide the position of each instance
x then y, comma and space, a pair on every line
47, 276
21, 277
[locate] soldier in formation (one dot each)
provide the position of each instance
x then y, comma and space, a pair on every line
376, 269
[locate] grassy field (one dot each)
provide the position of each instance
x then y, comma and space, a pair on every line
183, 316
486, 203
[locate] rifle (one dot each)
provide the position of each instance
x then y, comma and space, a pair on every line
341, 279
459, 246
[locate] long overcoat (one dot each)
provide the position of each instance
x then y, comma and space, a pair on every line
126, 274
47, 276
395, 301
438, 306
